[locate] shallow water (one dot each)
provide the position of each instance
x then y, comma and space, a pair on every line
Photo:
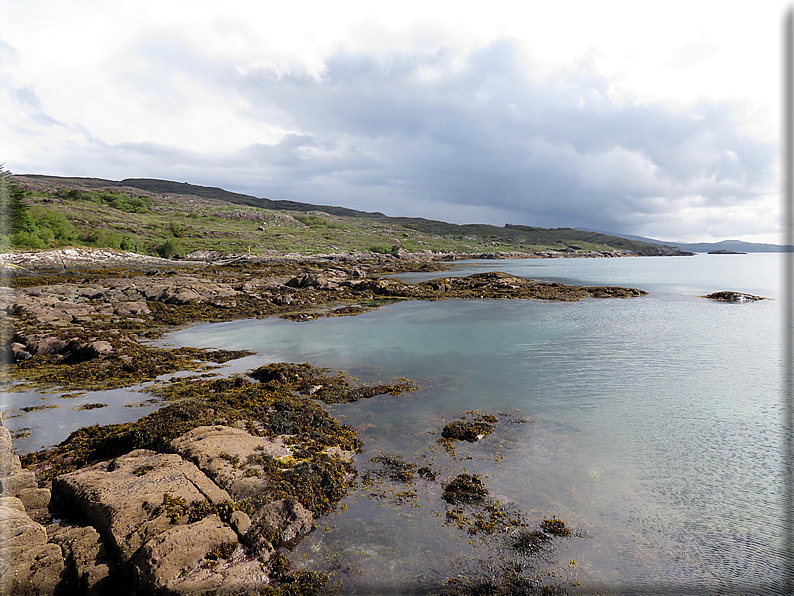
655, 421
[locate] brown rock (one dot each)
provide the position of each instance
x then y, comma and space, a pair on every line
89, 566
28, 564
131, 309
222, 452
280, 523
124, 498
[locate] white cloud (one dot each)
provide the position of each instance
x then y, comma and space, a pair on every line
607, 115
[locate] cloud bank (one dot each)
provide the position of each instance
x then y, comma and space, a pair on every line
463, 136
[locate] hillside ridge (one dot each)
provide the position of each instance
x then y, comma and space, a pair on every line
171, 218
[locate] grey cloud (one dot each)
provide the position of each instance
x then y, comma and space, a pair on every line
424, 134
555, 152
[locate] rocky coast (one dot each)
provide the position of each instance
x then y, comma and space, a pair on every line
204, 495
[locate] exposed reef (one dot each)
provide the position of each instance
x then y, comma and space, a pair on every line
727, 296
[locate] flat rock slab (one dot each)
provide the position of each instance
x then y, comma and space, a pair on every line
223, 453
202, 557
122, 498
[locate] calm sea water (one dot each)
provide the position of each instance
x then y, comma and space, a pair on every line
656, 421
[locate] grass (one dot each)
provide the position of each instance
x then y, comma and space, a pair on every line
156, 223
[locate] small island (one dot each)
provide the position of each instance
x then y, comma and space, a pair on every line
727, 296
725, 251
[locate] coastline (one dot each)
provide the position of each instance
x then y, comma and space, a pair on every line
78, 328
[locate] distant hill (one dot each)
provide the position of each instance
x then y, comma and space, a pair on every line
306, 226
734, 245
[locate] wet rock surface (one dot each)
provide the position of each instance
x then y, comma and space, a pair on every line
730, 296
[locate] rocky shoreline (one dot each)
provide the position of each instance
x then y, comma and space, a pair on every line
203, 495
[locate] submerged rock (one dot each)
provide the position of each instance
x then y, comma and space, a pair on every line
465, 488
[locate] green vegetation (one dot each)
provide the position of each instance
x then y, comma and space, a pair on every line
171, 219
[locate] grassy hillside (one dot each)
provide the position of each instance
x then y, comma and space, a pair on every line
173, 219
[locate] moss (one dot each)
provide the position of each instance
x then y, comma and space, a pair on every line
528, 542
393, 468
141, 470
89, 406
467, 430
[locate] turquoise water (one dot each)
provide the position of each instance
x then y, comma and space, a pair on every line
656, 421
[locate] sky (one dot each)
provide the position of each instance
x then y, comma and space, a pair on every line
654, 119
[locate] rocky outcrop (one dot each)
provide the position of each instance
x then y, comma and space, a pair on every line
187, 522
728, 296
135, 497
228, 456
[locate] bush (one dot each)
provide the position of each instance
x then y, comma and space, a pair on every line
170, 249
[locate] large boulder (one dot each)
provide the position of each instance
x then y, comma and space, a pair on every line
137, 496
199, 558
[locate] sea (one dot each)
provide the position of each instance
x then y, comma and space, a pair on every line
653, 426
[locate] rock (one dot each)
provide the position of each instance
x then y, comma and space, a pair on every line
13, 478
280, 523
90, 568
727, 296
240, 522
223, 452
131, 309
82, 351
125, 498
41, 344
35, 498
282, 299
195, 559
28, 563
18, 352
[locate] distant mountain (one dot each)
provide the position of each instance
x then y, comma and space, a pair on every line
734, 245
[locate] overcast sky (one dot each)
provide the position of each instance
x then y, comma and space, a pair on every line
653, 119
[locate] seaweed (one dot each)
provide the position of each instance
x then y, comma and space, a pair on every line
465, 488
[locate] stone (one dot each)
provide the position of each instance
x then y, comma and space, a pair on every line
90, 568
131, 309
28, 563
223, 452
198, 558
35, 498
280, 523
240, 522
124, 498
